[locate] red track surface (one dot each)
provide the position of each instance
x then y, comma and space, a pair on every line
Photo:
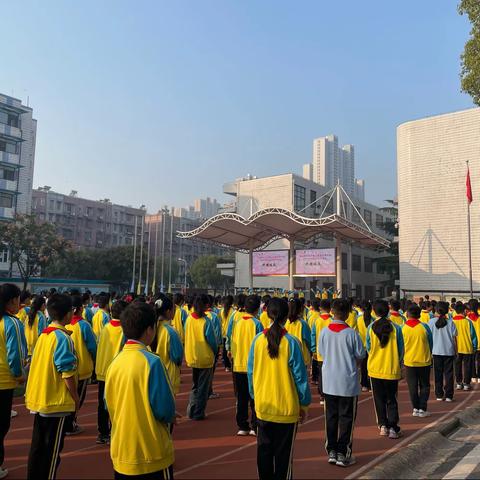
210, 449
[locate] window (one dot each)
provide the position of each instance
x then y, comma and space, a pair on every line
89, 211
313, 198
7, 173
68, 208
4, 254
8, 147
59, 205
299, 197
367, 215
9, 118
88, 236
378, 221
356, 217
369, 292
381, 268
367, 265
356, 263
51, 204
344, 261
6, 200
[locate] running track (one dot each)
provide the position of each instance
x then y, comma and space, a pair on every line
210, 449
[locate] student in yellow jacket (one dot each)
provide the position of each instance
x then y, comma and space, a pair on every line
110, 344
395, 315
51, 389
467, 345
473, 316
385, 354
363, 322
418, 342
101, 317
167, 344
320, 322
298, 328
264, 320
180, 316
85, 345
225, 314
145, 448
12, 357
427, 312
278, 383
200, 353
25, 302
35, 323
239, 339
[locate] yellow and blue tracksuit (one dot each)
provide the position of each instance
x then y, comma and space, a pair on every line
426, 316
418, 344
109, 345
170, 350
33, 332
178, 322
87, 314
137, 387
385, 363
467, 341
279, 386
225, 318
13, 349
301, 331
200, 342
397, 318
475, 319
100, 319
352, 319
362, 328
265, 319
53, 360
312, 316
319, 323
22, 314
240, 335
85, 345
217, 325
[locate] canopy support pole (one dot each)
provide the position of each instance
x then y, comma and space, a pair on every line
291, 260
338, 252
250, 268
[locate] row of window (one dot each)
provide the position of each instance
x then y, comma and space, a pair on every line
9, 118
8, 173
368, 264
7, 200
8, 147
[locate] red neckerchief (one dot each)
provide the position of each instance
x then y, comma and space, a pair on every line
52, 328
115, 323
247, 317
337, 327
395, 314
325, 316
75, 320
472, 316
134, 342
458, 317
195, 315
412, 322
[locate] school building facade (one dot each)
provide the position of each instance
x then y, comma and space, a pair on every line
362, 276
431, 154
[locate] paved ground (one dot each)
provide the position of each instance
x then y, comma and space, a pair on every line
210, 449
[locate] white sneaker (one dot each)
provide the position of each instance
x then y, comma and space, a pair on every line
459, 386
439, 399
474, 379
393, 434
383, 431
423, 414
322, 402
243, 433
252, 433
467, 387
3, 472
415, 412
13, 414
449, 399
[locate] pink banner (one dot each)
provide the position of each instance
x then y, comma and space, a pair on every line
270, 262
318, 262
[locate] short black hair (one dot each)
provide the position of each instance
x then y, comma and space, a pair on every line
252, 303
59, 305
25, 295
117, 308
102, 301
395, 304
136, 319
316, 304
325, 305
459, 307
341, 308
380, 307
77, 301
178, 298
414, 311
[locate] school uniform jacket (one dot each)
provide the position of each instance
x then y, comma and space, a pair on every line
100, 319
385, 363
443, 338
109, 345
467, 342
240, 339
33, 332
397, 318
264, 318
170, 350
426, 316
200, 342
22, 314
418, 343
85, 346
87, 314
217, 325
301, 331
12, 352
319, 323
178, 322
362, 328
279, 386
225, 318
352, 319
53, 360
140, 401
475, 319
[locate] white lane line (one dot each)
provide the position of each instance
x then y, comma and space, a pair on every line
465, 467
407, 440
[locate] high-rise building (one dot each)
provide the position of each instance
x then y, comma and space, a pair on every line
332, 164
202, 209
17, 159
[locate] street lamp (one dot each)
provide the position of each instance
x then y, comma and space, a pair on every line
185, 277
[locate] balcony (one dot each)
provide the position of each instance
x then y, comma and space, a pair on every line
10, 159
10, 133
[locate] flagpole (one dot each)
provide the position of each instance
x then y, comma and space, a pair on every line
132, 287
469, 200
139, 286
148, 258
154, 284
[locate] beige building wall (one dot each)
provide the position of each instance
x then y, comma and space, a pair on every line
431, 156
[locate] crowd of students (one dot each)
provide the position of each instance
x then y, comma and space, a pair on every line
276, 348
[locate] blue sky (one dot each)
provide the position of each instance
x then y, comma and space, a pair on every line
162, 102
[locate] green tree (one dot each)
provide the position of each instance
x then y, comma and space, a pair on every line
470, 58
205, 274
32, 246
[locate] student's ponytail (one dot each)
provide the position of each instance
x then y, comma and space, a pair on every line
295, 308
277, 311
8, 291
367, 313
200, 305
37, 304
442, 310
382, 328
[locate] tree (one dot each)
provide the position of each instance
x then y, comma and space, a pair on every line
470, 58
205, 274
32, 246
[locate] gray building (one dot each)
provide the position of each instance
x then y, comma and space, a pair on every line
17, 159
87, 223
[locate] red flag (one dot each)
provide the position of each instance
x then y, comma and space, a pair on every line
469, 187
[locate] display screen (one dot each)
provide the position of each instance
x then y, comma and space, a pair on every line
270, 262
318, 262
